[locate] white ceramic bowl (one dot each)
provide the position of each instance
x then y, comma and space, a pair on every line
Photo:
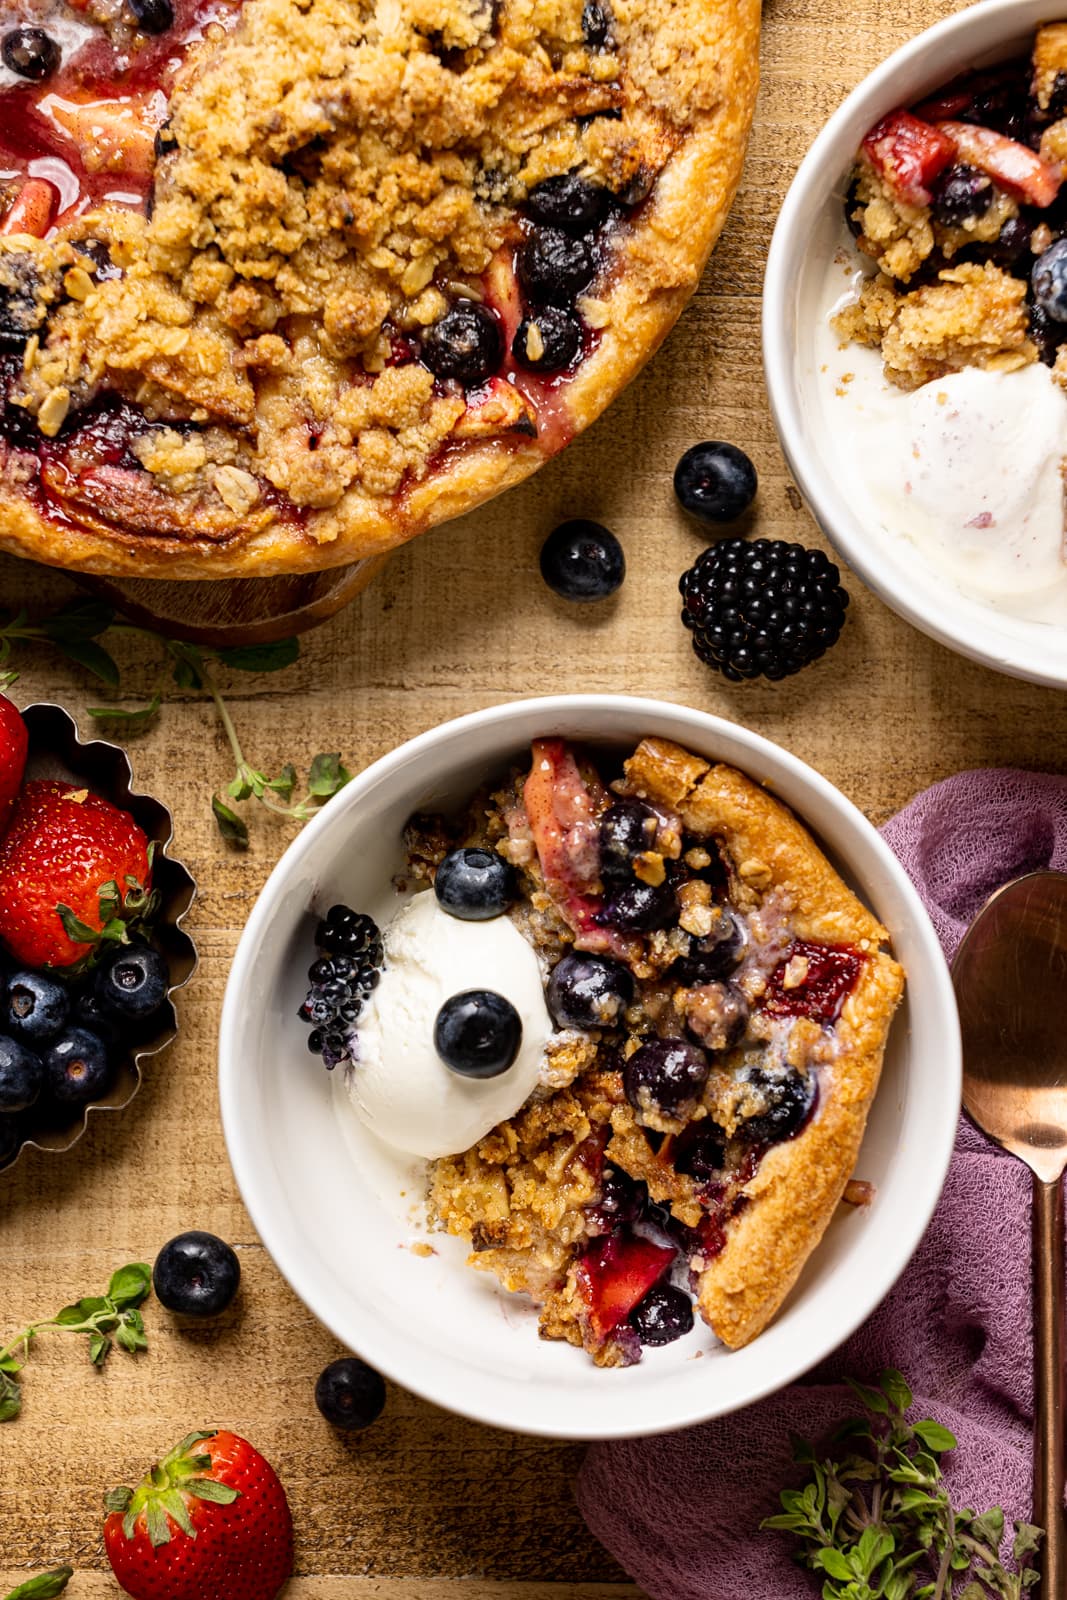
810, 228
314, 1187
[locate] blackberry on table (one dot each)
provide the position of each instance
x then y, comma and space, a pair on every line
341, 981
762, 608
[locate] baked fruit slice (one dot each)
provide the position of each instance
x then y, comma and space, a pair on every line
699, 1129
284, 283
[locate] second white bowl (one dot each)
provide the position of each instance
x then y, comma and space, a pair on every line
332, 1215
809, 230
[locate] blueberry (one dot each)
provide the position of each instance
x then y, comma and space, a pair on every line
621, 1199
554, 266
77, 1068
31, 52
961, 194
715, 481
350, 1394
714, 954
596, 22
466, 344
21, 1076
152, 16
627, 829
1012, 242
665, 1314
1049, 279
700, 1150
10, 1138
640, 907
474, 884
132, 984
665, 1075
196, 1274
87, 1012
477, 1033
582, 561
788, 1097
569, 202
35, 1007
547, 341
588, 991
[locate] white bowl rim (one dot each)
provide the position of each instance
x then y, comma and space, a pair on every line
876, 94
522, 1410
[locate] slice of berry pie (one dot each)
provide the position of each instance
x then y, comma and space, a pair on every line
284, 283
722, 1002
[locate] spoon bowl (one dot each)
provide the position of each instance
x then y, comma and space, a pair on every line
1010, 977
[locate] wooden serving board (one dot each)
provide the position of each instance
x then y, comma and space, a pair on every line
235, 610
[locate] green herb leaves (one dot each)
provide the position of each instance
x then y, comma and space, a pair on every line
107, 1319
45, 1586
877, 1524
74, 632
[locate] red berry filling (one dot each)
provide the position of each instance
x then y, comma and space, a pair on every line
614, 1274
832, 972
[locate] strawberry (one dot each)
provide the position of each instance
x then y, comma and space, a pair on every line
909, 154
209, 1522
13, 744
614, 1274
62, 862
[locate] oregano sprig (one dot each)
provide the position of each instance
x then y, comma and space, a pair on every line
106, 1319
878, 1523
74, 631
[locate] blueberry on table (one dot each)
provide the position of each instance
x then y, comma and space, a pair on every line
77, 1068
665, 1314
588, 991
554, 267
569, 202
21, 1076
1049, 279
665, 1075
477, 1033
35, 1007
466, 344
132, 984
196, 1274
547, 341
715, 481
582, 561
637, 907
474, 884
349, 1394
30, 52
152, 16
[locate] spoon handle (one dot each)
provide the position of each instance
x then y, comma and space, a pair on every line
1049, 1312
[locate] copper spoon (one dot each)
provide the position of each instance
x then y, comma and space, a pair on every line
1010, 976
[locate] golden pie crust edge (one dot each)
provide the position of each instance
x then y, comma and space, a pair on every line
658, 269
799, 1184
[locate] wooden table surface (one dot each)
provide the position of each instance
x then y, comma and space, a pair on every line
425, 1506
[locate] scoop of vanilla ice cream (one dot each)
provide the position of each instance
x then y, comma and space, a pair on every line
399, 1085
970, 467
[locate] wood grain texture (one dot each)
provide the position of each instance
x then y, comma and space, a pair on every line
427, 1505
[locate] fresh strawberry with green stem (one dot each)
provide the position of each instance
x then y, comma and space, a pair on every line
208, 1522
14, 742
75, 871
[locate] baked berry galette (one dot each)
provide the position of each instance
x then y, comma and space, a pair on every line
283, 283
721, 1002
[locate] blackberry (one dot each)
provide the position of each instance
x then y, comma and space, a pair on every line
340, 982
767, 608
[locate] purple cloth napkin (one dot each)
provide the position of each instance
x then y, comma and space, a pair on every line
681, 1512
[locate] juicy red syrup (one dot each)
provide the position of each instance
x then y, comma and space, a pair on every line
832, 973
33, 145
